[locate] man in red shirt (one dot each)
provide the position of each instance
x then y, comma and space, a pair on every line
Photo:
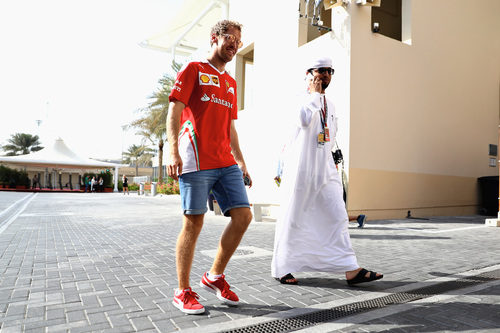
205, 156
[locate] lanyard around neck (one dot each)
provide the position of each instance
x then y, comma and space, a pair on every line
324, 114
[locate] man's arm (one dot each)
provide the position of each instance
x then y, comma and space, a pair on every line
236, 151
174, 167
313, 104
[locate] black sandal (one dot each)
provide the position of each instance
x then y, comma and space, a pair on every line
284, 279
361, 277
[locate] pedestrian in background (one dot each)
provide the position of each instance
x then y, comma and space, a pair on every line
36, 182
125, 185
86, 183
92, 185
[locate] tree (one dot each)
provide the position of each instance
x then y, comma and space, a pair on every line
152, 123
152, 127
22, 144
138, 155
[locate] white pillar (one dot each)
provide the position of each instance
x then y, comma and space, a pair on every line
116, 179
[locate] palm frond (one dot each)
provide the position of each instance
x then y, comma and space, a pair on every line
22, 144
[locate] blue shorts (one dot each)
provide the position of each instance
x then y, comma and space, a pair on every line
226, 185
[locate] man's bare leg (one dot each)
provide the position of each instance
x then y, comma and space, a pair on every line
186, 243
231, 237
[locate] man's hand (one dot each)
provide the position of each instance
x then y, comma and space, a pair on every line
315, 85
174, 167
246, 175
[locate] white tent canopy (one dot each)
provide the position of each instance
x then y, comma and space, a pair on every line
59, 156
190, 28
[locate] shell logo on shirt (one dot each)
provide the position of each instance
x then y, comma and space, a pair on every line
208, 79
204, 78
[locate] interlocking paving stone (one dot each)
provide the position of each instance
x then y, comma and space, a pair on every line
76, 316
92, 328
97, 318
120, 329
142, 323
55, 313
45, 323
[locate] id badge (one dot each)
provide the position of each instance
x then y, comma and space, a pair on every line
321, 140
327, 134
321, 137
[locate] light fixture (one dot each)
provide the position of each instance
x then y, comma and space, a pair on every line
329, 4
375, 3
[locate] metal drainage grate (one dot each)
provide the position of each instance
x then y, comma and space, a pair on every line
322, 316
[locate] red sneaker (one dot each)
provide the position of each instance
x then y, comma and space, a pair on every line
220, 288
187, 302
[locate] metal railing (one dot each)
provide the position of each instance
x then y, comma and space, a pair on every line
140, 179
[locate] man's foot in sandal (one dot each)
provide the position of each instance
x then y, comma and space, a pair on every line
287, 279
363, 275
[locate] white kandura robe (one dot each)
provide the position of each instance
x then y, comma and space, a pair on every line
312, 228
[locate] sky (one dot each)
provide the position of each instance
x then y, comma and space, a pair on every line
77, 66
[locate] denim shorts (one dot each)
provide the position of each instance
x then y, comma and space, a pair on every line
226, 185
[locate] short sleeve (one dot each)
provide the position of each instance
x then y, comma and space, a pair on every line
184, 84
234, 111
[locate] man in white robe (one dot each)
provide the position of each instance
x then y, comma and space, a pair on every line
312, 229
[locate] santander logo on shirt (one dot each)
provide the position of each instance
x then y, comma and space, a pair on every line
216, 100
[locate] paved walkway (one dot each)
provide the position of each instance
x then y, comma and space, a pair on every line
106, 263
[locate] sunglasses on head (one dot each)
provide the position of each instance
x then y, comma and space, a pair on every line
323, 70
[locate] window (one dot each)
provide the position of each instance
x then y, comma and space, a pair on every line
244, 77
393, 19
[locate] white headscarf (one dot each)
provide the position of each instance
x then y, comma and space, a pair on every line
321, 63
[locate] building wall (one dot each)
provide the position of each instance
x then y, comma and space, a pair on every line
423, 115
130, 171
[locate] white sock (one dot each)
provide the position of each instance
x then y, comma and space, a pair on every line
178, 291
213, 277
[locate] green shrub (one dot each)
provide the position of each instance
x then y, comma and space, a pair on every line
12, 177
24, 179
4, 174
